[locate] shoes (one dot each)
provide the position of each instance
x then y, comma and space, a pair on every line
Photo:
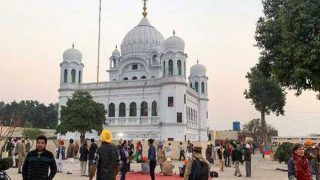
240, 175
69, 173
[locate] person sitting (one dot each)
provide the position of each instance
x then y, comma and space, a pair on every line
167, 167
183, 167
145, 166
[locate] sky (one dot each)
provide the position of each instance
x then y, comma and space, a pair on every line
219, 33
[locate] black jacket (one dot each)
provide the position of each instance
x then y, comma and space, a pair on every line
92, 150
36, 166
221, 154
84, 152
247, 154
108, 161
237, 155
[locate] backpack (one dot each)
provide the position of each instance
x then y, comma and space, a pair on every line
199, 170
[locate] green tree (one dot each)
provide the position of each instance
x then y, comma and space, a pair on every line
289, 36
82, 114
31, 133
266, 95
32, 112
254, 130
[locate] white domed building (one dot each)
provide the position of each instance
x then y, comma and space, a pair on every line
147, 95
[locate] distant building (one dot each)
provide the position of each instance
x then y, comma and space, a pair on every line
294, 139
218, 136
236, 126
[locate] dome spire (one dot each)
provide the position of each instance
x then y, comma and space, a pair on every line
197, 61
174, 32
72, 45
144, 8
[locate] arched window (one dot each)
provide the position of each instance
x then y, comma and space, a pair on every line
80, 77
179, 67
111, 110
196, 86
184, 69
122, 110
65, 76
170, 67
134, 78
154, 109
73, 75
191, 114
164, 68
143, 77
202, 87
125, 78
154, 59
133, 109
144, 109
114, 62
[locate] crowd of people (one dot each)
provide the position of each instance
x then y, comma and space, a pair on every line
109, 160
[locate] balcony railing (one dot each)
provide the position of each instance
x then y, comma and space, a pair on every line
119, 121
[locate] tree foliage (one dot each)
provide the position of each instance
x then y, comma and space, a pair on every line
81, 114
31, 133
266, 95
283, 152
289, 37
254, 130
32, 113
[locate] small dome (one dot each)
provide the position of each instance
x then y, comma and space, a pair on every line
116, 53
173, 43
72, 54
142, 38
198, 70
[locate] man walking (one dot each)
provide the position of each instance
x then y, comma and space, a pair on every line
38, 162
237, 158
189, 149
21, 154
181, 150
70, 156
106, 159
152, 158
92, 150
247, 159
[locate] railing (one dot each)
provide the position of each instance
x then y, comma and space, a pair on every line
122, 83
119, 121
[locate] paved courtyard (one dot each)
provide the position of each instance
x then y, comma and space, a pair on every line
261, 169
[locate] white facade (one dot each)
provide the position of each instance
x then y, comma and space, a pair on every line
147, 95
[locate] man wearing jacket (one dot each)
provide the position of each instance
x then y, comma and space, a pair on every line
38, 162
237, 158
106, 159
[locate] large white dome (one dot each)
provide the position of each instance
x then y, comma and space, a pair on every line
142, 38
72, 54
174, 43
198, 70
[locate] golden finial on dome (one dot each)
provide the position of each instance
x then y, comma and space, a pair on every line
144, 8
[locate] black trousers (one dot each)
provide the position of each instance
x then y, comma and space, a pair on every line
152, 166
182, 155
227, 161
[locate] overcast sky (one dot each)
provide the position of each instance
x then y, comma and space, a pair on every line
220, 33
